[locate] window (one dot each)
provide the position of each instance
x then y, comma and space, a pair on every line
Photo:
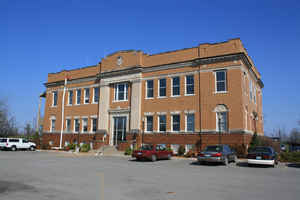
52, 128
221, 81
175, 86
254, 94
222, 121
76, 125
70, 99
68, 125
190, 122
149, 86
96, 95
86, 95
149, 123
94, 125
54, 102
162, 87
162, 125
175, 148
121, 92
176, 123
189, 85
13, 140
78, 96
84, 125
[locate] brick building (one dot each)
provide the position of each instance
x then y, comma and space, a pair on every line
197, 95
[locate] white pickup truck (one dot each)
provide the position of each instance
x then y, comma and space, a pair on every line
16, 143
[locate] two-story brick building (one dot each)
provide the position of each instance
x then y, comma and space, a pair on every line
182, 97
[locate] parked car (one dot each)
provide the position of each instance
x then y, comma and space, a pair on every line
217, 154
15, 144
151, 152
262, 156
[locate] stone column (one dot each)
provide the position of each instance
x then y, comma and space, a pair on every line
103, 108
136, 100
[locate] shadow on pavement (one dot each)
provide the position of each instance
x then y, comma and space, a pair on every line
205, 164
245, 164
295, 165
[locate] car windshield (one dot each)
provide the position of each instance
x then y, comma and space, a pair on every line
146, 147
260, 150
214, 148
3, 140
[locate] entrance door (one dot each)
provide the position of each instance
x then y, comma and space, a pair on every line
119, 130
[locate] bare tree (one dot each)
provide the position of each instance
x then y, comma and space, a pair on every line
295, 136
7, 123
281, 133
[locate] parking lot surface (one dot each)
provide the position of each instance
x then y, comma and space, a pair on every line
49, 175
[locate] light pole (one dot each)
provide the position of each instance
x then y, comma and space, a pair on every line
219, 124
143, 129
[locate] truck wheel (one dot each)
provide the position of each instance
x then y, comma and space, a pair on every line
14, 148
32, 148
153, 158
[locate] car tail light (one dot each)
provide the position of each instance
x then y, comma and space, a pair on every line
6, 144
217, 155
266, 157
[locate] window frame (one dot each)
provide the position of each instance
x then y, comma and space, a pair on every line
186, 122
178, 86
68, 127
147, 88
52, 128
74, 127
146, 124
116, 92
159, 122
225, 81
85, 97
226, 122
70, 99
178, 123
84, 120
92, 124
94, 94
54, 100
76, 100
159, 87
187, 85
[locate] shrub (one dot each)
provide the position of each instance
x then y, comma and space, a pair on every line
190, 154
71, 146
128, 151
45, 146
181, 150
85, 148
289, 157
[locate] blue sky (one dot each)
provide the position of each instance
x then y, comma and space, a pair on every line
38, 37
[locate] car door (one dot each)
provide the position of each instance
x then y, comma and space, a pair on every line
25, 144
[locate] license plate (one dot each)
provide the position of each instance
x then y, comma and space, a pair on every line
139, 153
258, 157
207, 155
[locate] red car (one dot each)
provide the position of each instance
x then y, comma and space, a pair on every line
151, 152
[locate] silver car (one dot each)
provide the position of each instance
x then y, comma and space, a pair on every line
217, 154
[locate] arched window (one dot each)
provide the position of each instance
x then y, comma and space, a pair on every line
222, 118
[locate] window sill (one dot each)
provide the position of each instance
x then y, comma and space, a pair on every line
69, 104
95, 102
221, 92
189, 94
116, 101
149, 98
175, 96
54, 106
162, 97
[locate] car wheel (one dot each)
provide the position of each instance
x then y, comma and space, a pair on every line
153, 158
225, 161
14, 148
169, 156
32, 148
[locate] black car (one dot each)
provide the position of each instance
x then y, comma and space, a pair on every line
262, 155
218, 154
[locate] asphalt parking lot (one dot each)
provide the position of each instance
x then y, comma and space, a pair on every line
50, 175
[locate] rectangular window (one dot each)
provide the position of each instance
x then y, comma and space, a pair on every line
54, 102
70, 99
87, 95
149, 123
78, 96
162, 125
76, 125
221, 81
162, 87
254, 94
96, 95
149, 85
84, 125
189, 85
52, 128
175, 86
68, 125
190, 122
250, 89
94, 125
222, 121
176, 123
121, 92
